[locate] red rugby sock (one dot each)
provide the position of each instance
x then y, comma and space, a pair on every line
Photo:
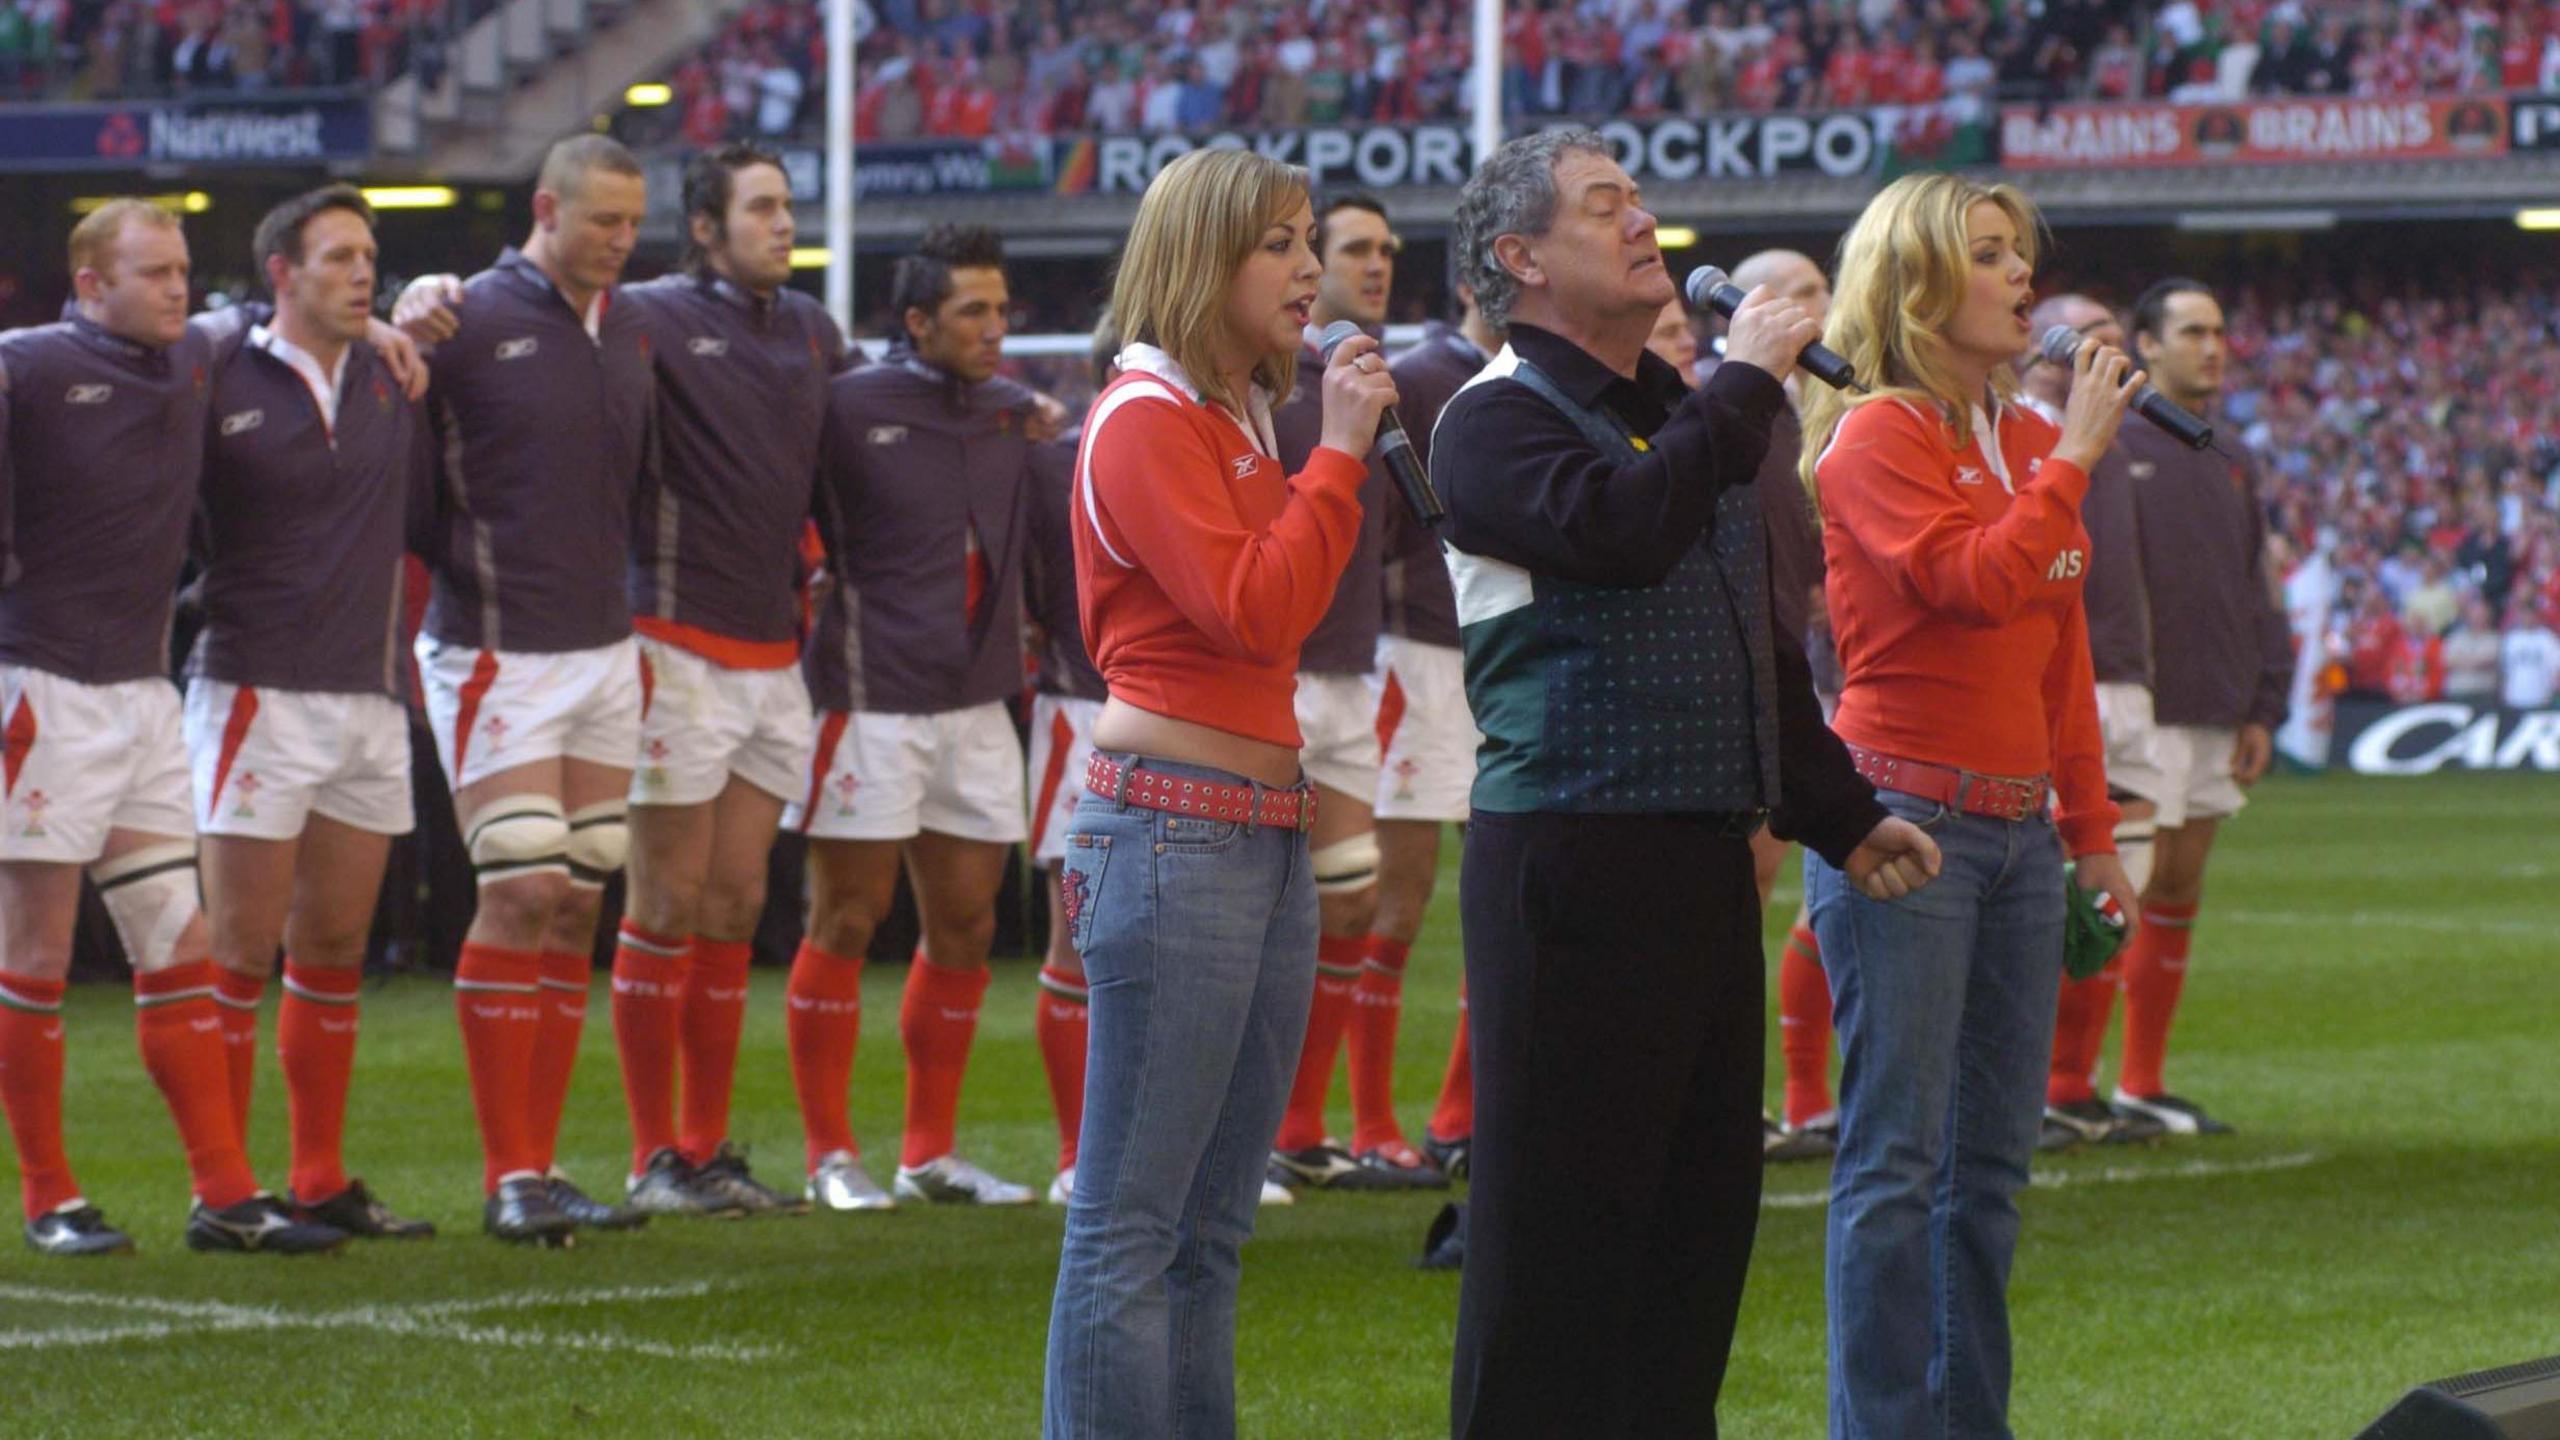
237, 996
31, 1090
1377, 1007
1337, 975
1062, 1025
497, 996
565, 983
938, 1019
2155, 971
179, 1028
649, 979
823, 1020
1454, 1118
1804, 1026
316, 1044
715, 1010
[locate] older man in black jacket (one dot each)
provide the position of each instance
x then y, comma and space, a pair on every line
1642, 718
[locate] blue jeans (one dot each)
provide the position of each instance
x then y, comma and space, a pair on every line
1944, 1001
1199, 946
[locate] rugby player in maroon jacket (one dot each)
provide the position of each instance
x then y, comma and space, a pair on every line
1338, 715
2222, 663
743, 362
1427, 741
316, 469
922, 472
2118, 604
542, 403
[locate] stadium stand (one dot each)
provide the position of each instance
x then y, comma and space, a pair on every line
81, 50
947, 69
2412, 436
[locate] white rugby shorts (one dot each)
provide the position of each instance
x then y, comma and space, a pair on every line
77, 761
702, 722
493, 710
2124, 727
1427, 737
266, 760
879, 776
2184, 771
1061, 742
1338, 717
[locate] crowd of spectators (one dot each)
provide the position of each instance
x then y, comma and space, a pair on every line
972, 68
116, 49
965, 68
2411, 439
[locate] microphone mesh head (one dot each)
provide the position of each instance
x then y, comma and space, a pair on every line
1334, 334
1703, 282
2061, 344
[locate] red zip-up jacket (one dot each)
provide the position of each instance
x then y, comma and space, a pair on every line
1201, 565
1954, 580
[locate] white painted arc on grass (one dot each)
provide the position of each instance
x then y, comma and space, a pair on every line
542, 1299
425, 1320
2112, 1175
146, 1304
2395, 919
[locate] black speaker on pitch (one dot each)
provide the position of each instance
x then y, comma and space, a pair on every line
2513, 1402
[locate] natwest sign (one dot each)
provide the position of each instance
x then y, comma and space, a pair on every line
264, 131
2379, 739
2269, 132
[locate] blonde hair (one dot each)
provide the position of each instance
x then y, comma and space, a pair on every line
1902, 273
93, 240
1196, 224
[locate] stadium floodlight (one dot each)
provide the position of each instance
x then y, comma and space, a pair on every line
648, 94
811, 257
192, 202
409, 197
2542, 219
1674, 237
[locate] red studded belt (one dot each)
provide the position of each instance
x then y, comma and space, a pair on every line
2002, 797
1290, 809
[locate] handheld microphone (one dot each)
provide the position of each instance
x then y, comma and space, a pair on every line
2061, 345
1394, 447
1711, 289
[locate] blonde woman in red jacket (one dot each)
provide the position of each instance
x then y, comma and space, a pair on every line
1955, 553
1200, 567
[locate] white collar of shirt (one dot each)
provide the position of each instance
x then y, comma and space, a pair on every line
1986, 438
593, 316
1147, 359
323, 383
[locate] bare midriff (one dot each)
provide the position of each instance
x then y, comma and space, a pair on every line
1125, 729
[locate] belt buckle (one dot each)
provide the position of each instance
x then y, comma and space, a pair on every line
2012, 796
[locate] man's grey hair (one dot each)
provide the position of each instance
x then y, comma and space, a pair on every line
1512, 193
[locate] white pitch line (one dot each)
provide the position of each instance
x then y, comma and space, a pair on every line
147, 1304
99, 1335
2333, 921
391, 1320
543, 1299
426, 1320
2112, 1175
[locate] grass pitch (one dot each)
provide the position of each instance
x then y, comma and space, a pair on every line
2371, 1003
